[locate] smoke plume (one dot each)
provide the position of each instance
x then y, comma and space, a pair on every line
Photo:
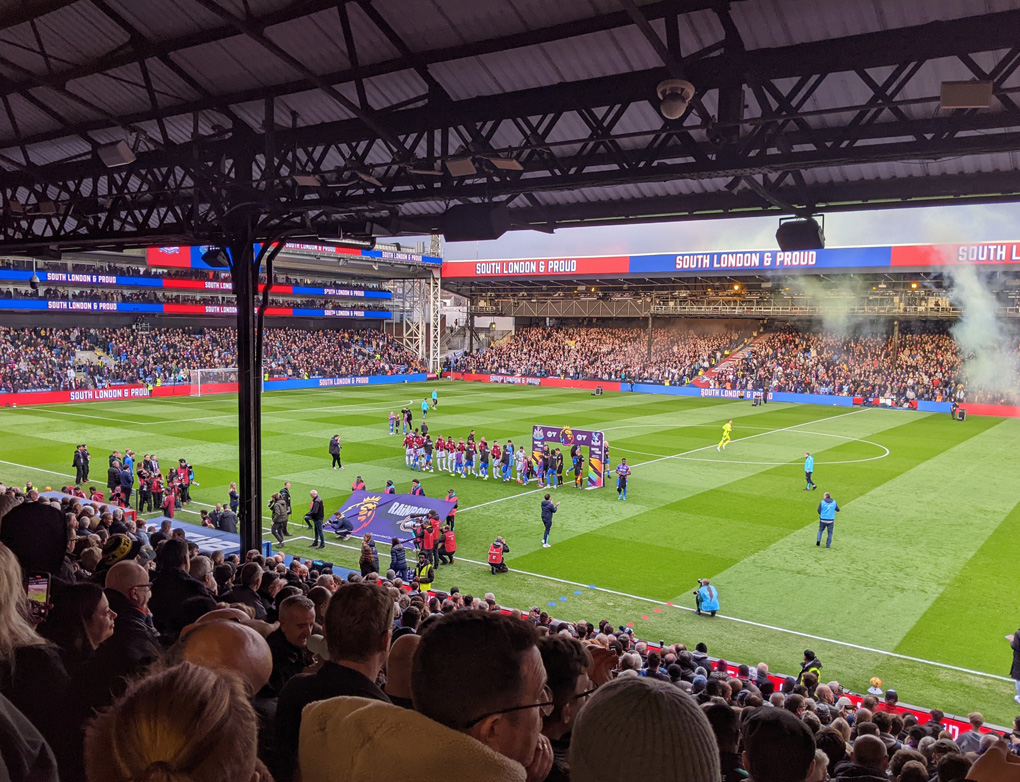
987, 342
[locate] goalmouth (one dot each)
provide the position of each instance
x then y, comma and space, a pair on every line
213, 381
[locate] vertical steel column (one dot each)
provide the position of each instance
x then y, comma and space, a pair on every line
245, 274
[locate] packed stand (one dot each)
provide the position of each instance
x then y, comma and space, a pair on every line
43, 359
677, 356
920, 365
287, 671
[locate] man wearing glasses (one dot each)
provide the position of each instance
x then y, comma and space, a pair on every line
132, 647
479, 692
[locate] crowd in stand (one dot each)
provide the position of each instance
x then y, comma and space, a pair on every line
914, 365
153, 661
46, 358
674, 356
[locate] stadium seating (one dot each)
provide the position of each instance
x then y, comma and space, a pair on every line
917, 364
45, 359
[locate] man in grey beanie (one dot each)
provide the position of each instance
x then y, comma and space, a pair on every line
643, 729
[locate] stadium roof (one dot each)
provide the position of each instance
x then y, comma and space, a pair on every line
316, 117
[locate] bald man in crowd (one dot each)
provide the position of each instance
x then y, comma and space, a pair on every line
398, 669
226, 645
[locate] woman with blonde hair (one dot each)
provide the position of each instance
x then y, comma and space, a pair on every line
32, 675
185, 722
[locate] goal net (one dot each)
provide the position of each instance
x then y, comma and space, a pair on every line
212, 381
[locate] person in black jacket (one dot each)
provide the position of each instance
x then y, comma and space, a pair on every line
133, 646
227, 521
172, 586
315, 515
113, 475
80, 462
246, 593
548, 509
334, 451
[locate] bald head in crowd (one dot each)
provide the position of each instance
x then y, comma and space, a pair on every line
870, 752
398, 669
229, 646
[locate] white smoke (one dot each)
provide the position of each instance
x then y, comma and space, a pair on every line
987, 341
834, 297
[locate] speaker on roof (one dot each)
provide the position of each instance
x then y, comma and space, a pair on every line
800, 234
475, 222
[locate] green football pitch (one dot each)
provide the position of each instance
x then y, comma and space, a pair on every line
919, 587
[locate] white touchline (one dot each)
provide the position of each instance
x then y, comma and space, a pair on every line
738, 620
678, 455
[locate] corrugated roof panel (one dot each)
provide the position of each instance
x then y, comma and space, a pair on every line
317, 41
160, 20
72, 35
235, 64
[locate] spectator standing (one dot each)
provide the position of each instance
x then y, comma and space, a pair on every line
398, 559
548, 509
315, 517
359, 621
278, 509
827, 510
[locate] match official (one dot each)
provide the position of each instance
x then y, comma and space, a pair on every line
548, 509
809, 467
827, 510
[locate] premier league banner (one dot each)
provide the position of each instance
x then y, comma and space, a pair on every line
568, 437
386, 515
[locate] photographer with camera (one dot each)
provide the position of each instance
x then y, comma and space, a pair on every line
706, 597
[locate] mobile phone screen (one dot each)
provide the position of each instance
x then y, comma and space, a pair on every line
38, 590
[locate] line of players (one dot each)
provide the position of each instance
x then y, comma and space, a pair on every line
475, 457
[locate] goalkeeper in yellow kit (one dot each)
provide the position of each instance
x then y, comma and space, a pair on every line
726, 430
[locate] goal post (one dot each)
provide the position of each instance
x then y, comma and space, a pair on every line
212, 381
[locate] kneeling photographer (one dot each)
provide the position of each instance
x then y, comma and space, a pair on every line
706, 597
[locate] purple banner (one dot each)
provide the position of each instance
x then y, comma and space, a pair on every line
386, 515
567, 436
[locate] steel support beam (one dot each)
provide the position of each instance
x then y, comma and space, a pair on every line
245, 274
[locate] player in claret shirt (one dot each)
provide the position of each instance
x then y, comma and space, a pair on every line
451, 453
409, 449
419, 451
440, 457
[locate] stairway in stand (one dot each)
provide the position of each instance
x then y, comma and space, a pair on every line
705, 380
